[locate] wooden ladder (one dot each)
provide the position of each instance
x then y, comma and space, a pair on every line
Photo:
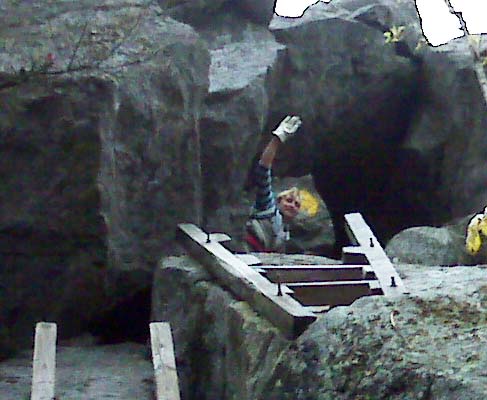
291, 296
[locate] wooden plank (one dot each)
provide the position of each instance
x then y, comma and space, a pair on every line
245, 283
334, 284
354, 255
249, 259
360, 233
44, 362
369, 274
164, 361
310, 273
215, 237
332, 293
319, 309
220, 237
312, 266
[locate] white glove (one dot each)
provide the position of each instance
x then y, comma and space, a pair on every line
287, 128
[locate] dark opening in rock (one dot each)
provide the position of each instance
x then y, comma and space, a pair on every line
361, 165
127, 321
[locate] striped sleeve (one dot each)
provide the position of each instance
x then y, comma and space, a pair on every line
265, 203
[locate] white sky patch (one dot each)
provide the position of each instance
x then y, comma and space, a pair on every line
295, 8
439, 26
474, 13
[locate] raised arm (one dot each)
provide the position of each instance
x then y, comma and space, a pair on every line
269, 153
265, 203
283, 132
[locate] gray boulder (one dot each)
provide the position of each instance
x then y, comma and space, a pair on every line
354, 93
350, 63
445, 157
99, 155
192, 12
428, 245
204, 12
383, 14
428, 344
244, 66
260, 11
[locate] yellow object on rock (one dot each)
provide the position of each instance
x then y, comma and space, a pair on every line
309, 203
476, 232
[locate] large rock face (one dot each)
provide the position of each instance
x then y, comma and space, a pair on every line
354, 93
52, 236
117, 122
203, 12
332, 67
426, 345
431, 349
444, 157
99, 154
374, 129
244, 67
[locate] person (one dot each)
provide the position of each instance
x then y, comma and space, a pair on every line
267, 227
476, 232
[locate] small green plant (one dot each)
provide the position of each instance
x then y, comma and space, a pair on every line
395, 34
475, 41
421, 43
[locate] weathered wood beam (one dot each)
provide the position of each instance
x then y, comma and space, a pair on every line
310, 273
354, 255
164, 361
332, 293
361, 235
220, 237
318, 309
245, 283
249, 259
44, 362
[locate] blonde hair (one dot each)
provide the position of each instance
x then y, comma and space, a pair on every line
294, 192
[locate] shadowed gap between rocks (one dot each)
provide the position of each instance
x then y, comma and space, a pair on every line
365, 172
127, 321
370, 178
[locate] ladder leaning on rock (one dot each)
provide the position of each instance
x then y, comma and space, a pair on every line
291, 296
